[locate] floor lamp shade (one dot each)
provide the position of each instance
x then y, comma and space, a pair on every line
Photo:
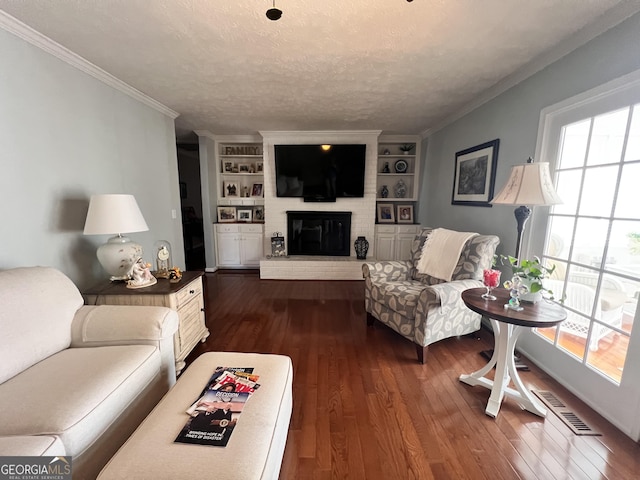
528, 184
115, 214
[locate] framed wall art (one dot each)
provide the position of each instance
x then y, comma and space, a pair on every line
258, 214
244, 215
475, 175
256, 190
405, 213
226, 214
386, 213
231, 189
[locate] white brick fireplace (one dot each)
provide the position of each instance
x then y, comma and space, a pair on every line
363, 210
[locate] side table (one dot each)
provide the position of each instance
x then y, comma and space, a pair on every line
186, 297
507, 326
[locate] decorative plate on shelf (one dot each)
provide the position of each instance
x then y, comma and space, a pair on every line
401, 166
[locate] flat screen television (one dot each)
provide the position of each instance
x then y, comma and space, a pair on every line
320, 174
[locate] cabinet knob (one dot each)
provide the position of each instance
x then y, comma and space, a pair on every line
192, 291
202, 309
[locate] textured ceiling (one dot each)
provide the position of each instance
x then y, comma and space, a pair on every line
391, 65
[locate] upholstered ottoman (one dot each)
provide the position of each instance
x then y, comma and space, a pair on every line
255, 448
31, 446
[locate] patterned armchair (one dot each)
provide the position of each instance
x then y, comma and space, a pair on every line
422, 308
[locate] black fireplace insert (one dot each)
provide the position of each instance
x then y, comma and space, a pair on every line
319, 233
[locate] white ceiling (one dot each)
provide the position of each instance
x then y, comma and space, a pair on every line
391, 65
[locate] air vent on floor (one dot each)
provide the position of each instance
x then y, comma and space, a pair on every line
564, 413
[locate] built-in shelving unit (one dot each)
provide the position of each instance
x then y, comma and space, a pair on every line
395, 165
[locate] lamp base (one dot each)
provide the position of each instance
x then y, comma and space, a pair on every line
118, 256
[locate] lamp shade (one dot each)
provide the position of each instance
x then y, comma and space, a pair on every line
528, 184
116, 214
113, 214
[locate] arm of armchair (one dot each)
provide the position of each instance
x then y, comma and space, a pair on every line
388, 270
107, 325
441, 313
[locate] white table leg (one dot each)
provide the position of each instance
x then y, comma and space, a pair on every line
477, 377
506, 336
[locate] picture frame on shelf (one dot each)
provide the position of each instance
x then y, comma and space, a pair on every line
386, 213
256, 190
258, 214
231, 189
244, 214
405, 213
259, 167
227, 167
226, 214
244, 167
475, 175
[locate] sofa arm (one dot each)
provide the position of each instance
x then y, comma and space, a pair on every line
96, 325
387, 271
107, 325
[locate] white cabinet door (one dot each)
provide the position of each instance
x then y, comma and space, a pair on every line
251, 249
228, 248
385, 246
404, 241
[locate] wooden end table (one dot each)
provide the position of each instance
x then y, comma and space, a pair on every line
508, 325
185, 297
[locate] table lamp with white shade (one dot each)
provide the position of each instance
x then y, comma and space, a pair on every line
528, 184
115, 214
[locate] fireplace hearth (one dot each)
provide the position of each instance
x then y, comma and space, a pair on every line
319, 233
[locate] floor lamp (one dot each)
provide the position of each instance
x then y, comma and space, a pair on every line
528, 184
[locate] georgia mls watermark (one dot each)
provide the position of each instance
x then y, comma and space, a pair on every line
35, 468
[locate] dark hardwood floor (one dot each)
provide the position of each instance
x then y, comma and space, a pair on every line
364, 408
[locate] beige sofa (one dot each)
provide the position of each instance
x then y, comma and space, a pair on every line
76, 380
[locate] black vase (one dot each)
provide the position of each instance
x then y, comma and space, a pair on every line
362, 247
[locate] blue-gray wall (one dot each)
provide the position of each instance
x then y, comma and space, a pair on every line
513, 118
64, 135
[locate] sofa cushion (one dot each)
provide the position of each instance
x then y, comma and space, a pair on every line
77, 393
38, 305
400, 296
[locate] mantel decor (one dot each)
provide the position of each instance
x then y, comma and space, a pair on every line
475, 175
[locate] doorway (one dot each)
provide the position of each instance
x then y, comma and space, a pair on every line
191, 204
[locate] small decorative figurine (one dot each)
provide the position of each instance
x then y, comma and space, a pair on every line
516, 290
175, 275
141, 275
386, 169
384, 191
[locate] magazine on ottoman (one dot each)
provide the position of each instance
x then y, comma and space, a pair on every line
214, 415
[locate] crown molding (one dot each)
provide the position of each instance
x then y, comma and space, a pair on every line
28, 34
605, 22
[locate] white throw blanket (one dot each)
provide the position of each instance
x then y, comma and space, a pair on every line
441, 252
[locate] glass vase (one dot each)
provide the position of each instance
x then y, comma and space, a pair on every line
491, 279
